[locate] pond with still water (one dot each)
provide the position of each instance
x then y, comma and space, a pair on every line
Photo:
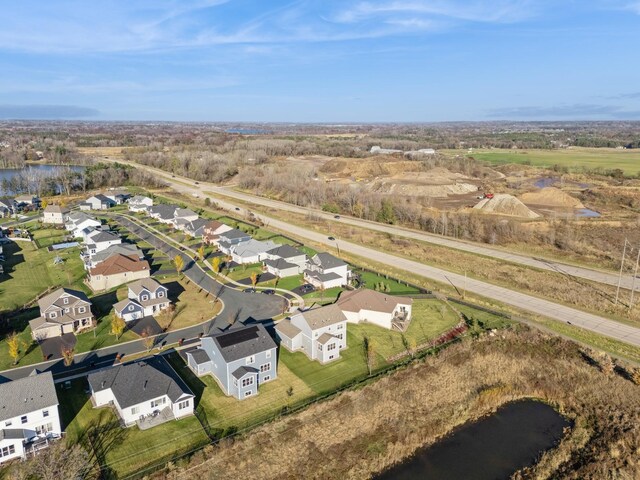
490, 449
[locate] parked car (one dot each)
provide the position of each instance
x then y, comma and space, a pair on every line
197, 183
337, 217
237, 208
269, 291
249, 290
331, 238
307, 287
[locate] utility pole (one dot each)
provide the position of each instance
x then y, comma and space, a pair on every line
624, 252
464, 290
635, 275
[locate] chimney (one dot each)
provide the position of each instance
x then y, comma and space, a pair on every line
102, 385
144, 387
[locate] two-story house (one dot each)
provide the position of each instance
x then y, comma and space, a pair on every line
77, 222
195, 228
212, 230
182, 216
145, 297
163, 212
55, 215
7, 207
116, 270
285, 261
99, 240
22, 201
139, 203
118, 196
142, 391
97, 202
320, 333
326, 271
232, 237
251, 251
29, 416
369, 306
127, 249
240, 359
62, 311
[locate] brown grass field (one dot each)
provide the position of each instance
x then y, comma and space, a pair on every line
362, 432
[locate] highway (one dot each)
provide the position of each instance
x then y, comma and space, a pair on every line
535, 305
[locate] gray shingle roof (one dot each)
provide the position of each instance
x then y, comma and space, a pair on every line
200, 356
323, 316
122, 248
163, 211
184, 212
27, 395
326, 260
48, 300
144, 283
233, 234
240, 372
141, 381
280, 264
104, 236
243, 342
285, 251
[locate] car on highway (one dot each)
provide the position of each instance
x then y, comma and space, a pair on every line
197, 183
249, 290
331, 238
238, 208
269, 291
173, 176
337, 217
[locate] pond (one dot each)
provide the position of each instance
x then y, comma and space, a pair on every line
44, 170
492, 448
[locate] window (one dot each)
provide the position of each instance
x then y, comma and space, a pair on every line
265, 367
235, 382
23, 419
320, 346
331, 347
266, 379
53, 314
247, 382
183, 405
130, 307
8, 423
47, 427
340, 326
251, 360
158, 402
268, 353
65, 300
45, 413
160, 294
82, 309
248, 393
144, 297
135, 410
10, 450
339, 336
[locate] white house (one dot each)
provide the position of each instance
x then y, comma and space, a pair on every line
118, 196
251, 251
212, 230
29, 416
163, 212
182, 216
145, 297
320, 333
195, 228
140, 203
326, 271
126, 249
99, 240
285, 261
97, 202
55, 215
79, 221
145, 392
378, 308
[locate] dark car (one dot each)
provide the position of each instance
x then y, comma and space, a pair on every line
337, 217
249, 290
269, 291
238, 208
197, 183
306, 288
173, 176
331, 238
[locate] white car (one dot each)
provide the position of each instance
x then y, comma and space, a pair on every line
195, 195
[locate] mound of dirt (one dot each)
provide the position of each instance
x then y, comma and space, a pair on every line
417, 189
551, 196
505, 204
365, 168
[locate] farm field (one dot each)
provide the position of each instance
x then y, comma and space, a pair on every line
574, 158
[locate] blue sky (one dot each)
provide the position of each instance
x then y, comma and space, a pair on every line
320, 60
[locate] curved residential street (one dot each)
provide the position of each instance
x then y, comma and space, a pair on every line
238, 307
535, 305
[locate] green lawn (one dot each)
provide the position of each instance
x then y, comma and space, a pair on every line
488, 320
244, 271
327, 295
48, 236
124, 450
573, 158
394, 288
288, 283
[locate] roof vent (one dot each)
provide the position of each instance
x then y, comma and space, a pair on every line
102, 385
144, 387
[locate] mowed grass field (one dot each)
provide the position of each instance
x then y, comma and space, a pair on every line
573, 158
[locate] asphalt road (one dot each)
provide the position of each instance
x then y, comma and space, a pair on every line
238, 307
538, 306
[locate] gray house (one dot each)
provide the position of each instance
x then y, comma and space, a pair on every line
230, 238
240, 360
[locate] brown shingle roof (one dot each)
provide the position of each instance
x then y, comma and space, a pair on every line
366, 299
119, 264
323, 316
48, 300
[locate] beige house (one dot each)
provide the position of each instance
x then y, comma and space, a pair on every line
55, 215
368, 306
62, 311
116, 270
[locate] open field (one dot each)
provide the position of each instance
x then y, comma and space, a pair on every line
374, 427
574, 158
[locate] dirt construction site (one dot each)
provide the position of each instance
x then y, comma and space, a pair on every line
515, 192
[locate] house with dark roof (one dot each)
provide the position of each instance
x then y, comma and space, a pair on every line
319, 332
182, 216
140, 203
195, 228
144, 297
118, 196
62, 311
77, 222
145, 392
368, 306
28, 415
163, 212
97, 202
7, 207
116, 270
326, 271
99, 240
232, 237
240, 359
285, 261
